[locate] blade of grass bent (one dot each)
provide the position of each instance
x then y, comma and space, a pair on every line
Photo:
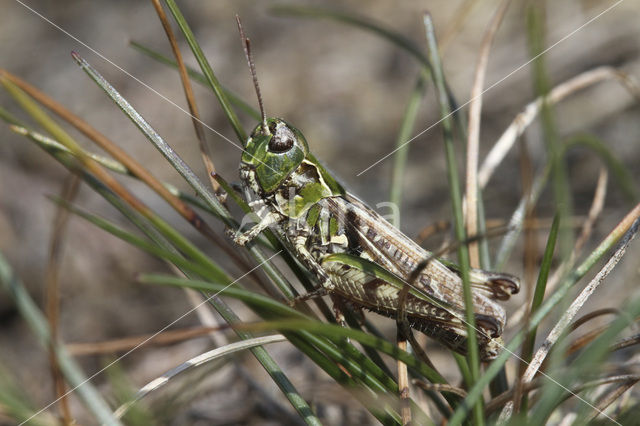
195, 362
583, 365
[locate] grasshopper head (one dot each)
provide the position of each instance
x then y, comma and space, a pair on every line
274, 152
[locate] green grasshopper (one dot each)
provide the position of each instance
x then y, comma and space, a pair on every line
316, 218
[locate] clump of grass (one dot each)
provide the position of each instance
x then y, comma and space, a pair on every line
585, 369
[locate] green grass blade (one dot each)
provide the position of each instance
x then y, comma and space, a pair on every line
196, 255
402, 148
272, 309
279, 310
204, 271
559, 174
320, 12
538, 294
622, 175
456, 204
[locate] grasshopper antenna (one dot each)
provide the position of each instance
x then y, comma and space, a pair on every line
246, 45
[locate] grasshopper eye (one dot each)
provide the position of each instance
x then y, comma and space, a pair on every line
282, 140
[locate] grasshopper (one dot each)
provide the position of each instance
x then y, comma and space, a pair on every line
291, 192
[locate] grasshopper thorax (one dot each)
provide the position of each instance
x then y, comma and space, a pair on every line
274, 153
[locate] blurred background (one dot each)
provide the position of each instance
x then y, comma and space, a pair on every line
346, 89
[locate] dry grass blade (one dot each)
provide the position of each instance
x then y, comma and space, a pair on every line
595, 210
440, 387
591, 315
473, 134
188, 92
611, 396
459, 17
581, 341
198, 361
128, 343
530, 112
52, 291
503, 398
403, 383
625, 343
566, 318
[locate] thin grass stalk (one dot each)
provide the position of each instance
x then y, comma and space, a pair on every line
179, 164
567, 317
535, 17
200, 360
52, 291
52, 127
301, 322
456, 200
530, 112
188, 92
472, 198
358, 366
402, 153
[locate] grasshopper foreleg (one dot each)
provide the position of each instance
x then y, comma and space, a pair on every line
242, 238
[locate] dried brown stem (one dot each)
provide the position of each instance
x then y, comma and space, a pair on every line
188, 92
52, 291
558, 93
128, 343
473, 140
611, 396
440, 387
